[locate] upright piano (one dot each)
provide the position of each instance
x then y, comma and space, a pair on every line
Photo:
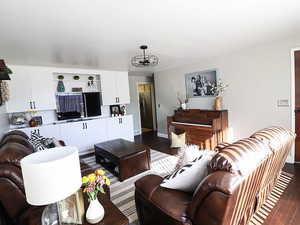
205, 128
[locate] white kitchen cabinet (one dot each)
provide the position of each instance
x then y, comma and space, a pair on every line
120, 127
74, 134
31, 88
122, 84
115, 88
96, 132
42, 92
19, 90
48, 131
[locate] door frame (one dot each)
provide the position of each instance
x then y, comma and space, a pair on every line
292, 108
152, 101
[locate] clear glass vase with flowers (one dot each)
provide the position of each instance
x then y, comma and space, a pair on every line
92, 185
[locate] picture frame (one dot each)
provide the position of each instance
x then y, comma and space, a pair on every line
201, 83
71, 210
115, 110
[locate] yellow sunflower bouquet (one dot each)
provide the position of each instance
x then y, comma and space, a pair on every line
93, 183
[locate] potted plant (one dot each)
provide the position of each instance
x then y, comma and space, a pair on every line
218, 90
92, 184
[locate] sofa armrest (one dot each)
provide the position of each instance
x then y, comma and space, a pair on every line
32, 216
148, 184
219, 181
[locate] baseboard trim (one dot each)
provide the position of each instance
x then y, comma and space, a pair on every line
162, 135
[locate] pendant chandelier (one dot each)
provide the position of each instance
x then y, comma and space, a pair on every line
144, 60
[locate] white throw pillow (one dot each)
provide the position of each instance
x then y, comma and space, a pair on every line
178, 141
188, 177
187, 154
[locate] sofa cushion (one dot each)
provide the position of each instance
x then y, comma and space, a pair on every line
172, 202
275, 137
190, 175
221, 146
241, 157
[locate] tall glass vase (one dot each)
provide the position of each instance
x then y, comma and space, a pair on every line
95, 212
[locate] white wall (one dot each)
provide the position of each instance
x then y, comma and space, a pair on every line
134, 107
258, 77
4, 124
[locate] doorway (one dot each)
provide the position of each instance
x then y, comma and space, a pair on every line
146, 105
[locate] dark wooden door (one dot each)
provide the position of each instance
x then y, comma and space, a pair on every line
297, 105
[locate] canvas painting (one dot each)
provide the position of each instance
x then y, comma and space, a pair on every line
201, 84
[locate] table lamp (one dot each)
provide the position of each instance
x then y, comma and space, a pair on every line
51, 176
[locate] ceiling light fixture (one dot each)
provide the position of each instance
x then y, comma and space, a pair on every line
144, 60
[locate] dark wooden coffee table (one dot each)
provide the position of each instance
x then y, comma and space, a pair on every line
123, 158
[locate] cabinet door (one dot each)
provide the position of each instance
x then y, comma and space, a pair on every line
108, 88
19, 90
29, 130
73, 134
50, 131
122, 84
96, 132
43, 94
113, 128
126, 128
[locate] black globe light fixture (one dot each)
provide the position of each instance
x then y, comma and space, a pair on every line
144, 60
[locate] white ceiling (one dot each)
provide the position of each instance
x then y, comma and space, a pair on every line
105, 34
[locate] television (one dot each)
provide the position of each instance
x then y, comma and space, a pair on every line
92, 104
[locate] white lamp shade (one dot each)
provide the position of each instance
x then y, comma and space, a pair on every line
51, 175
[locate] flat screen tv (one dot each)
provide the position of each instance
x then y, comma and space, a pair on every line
92, 104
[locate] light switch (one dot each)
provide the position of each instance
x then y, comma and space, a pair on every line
283, 103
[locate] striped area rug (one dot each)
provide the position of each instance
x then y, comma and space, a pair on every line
282, 183
122, 193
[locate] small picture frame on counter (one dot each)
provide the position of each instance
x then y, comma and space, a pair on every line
38, 120
115, 110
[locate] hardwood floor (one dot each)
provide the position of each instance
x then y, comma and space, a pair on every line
287, 209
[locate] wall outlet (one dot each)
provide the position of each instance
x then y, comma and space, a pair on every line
283, 103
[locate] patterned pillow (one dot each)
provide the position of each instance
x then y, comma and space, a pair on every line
37, 141
178, 141
188, 177
187, 154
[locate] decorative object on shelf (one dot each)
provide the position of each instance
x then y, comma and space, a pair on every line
144, 60
76, 77
38, 120
32, 122
60, 161
201, 84
4, 91
18, 119
123, 110
60, 84
91, 81
182, 102
115, 110
218, 90
92, 184
4, 75
76, 89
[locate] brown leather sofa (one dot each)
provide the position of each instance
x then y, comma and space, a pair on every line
241, 177
14, 210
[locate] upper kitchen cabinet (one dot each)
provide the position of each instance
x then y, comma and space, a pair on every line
115, 88
31, 88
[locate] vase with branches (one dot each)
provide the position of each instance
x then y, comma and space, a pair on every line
182, 101
218, 90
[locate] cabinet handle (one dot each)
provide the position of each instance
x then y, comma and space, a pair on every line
30, 104
34, 104
121, 120
38, 131
83, 127
86, 126
118, 100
